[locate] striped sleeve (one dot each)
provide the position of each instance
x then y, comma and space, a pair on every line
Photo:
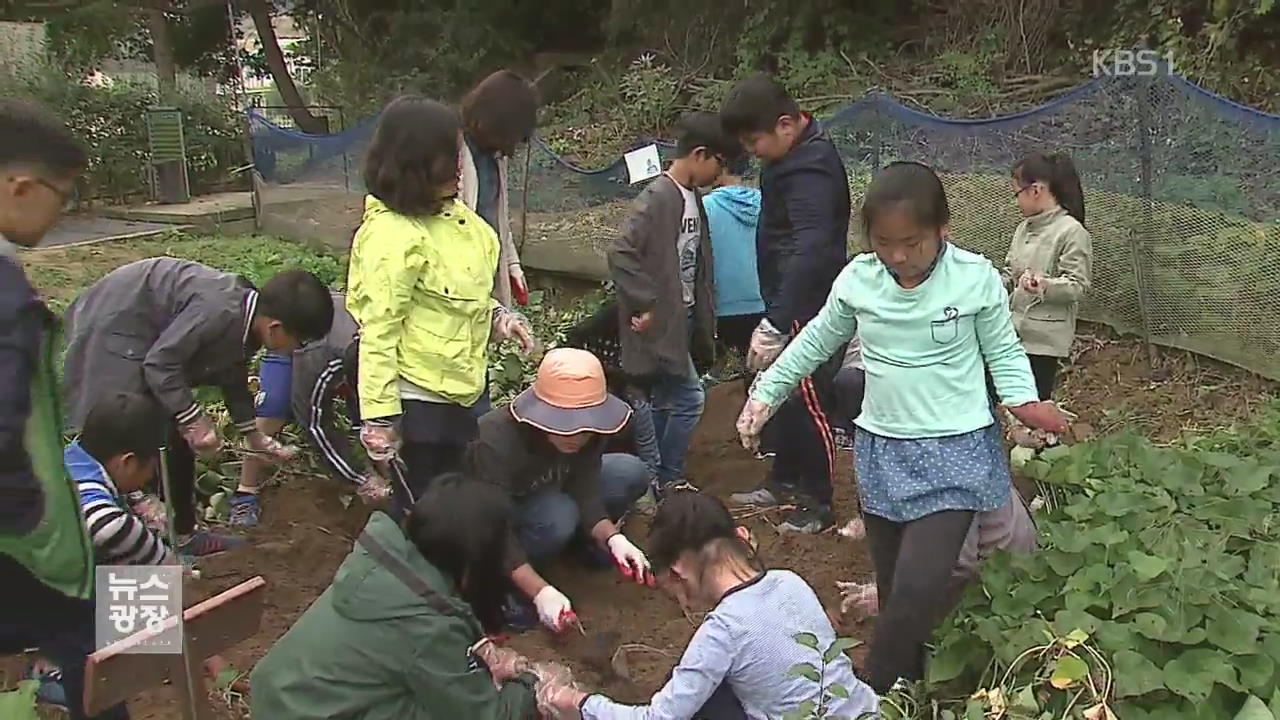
331, 442
119, 537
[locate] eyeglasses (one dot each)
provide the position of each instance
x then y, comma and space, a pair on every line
1023, 189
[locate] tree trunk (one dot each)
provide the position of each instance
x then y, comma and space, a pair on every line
162, 48
260, 11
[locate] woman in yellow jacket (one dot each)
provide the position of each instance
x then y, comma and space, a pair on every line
420, 286
1050, 262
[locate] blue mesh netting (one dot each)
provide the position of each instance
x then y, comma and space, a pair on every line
1182, 194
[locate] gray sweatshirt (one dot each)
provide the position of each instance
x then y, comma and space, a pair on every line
748, 641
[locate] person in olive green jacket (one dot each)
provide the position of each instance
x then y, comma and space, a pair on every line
420, 287
400, 634
1050, 262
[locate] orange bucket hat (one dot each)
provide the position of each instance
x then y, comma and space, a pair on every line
570, 396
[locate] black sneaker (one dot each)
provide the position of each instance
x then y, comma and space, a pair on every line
808, 521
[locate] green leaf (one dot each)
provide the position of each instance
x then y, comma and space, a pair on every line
1256, 671
1235, 631
1024, 701
1254, 709
227, 677
1219, 460
839, 646
1135, 674
20, 704
1148, 567
1274, 705
1193, 673
1068, 671
808, 640
1152, 626
839, 691
806, 671
949, 662
1248, 478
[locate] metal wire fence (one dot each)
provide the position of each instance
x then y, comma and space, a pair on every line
1182, 189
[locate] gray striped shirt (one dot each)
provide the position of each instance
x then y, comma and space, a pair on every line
748, 642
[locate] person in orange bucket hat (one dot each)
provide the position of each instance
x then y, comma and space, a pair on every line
547, 451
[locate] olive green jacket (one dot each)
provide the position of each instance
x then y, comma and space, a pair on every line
1056, 246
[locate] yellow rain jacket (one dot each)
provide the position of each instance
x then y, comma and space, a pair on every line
420, 289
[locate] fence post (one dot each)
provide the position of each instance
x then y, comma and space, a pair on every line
1138, 239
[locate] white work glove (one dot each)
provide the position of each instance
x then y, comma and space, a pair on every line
767, 343
630, 560
554, 609
374, 489
511, 325
751, 421
380, 440
269, 448
202, 436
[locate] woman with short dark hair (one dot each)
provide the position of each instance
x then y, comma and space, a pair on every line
400, 633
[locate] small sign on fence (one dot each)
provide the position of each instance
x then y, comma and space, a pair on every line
643, 163
136, 598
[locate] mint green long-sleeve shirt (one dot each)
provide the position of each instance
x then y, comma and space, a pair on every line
924, 348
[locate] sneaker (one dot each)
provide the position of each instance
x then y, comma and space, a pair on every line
519, 614
761, 497
245, 509
807, 522
203, 542
51, 690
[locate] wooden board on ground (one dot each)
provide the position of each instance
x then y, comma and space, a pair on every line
113, 675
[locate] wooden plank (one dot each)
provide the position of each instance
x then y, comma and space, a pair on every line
113, 675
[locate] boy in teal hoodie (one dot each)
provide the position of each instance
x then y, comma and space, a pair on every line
733, 210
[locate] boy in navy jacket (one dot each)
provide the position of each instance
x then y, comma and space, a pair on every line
801, 246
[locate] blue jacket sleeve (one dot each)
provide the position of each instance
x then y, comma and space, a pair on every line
812, 225
20, 336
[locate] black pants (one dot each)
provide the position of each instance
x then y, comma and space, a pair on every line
722, 705
1044, 369
182, 481
850, 387
734, 331
34, 615
800, 435
913, 563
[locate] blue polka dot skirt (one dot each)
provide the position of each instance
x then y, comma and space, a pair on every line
906, 479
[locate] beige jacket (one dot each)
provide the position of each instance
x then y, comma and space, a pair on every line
1056, 246
469, 193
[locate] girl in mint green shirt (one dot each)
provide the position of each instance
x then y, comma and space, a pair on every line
928, 450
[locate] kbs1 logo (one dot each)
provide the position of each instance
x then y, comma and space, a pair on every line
1129, 63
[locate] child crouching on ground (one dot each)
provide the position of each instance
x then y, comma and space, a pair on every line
737, 665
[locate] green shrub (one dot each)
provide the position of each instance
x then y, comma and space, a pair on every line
1155, 589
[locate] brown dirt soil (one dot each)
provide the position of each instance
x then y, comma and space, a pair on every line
308, 527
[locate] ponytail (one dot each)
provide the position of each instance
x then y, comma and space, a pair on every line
1058, 173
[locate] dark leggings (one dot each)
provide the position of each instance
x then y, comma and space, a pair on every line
182, 481
913, 563
423, 461
1044, 370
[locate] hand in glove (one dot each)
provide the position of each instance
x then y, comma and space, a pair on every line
554, 610
270, 449
374, 490
202, 436
519, 286
755, 413
503, 663
508, 325
1042, 416
559, 699
380, 440
767, 343
630, 560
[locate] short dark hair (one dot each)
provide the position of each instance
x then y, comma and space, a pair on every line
30, 135
1059, 174
501, 111
703, 129
912, 186
413, 153
461, 526
124, 422
691, 521
755, 104
300, 302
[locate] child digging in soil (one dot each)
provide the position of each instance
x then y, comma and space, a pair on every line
420, 287
737, 665
164, 326
928, 451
